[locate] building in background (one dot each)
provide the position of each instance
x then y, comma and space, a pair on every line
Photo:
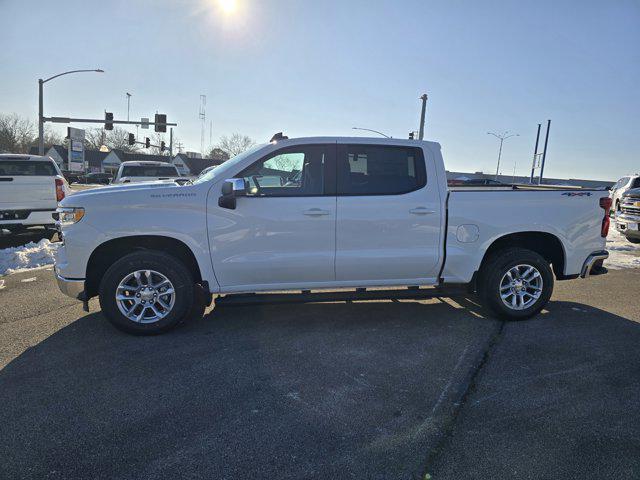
109, 162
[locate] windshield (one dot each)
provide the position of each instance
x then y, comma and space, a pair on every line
221, 170
149, 171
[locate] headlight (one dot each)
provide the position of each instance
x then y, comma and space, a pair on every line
69, 215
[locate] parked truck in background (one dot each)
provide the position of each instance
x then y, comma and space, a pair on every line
145, 171
628, 217
30, 188
323, 214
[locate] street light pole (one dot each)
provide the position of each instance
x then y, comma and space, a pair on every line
128, 100
40, 120
41, 82
370, 130
502, 137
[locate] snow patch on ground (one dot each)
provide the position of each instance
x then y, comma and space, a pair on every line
26, 257
622, 253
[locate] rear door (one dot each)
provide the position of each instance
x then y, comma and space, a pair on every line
27, 184
388, 215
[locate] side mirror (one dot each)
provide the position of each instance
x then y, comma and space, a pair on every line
231, 189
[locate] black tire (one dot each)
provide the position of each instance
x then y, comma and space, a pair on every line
495, 268
633, 239
173, 269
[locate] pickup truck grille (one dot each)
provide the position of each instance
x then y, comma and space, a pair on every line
631, 206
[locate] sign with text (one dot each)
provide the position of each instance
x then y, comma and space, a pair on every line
76, 150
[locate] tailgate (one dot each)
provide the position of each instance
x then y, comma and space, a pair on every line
27, 192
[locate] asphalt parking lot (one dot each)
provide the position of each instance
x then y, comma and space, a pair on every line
341, 390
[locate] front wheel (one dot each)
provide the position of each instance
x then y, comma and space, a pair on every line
515, 283
634, 239
147, 292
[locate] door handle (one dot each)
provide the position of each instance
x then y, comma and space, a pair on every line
316, 212
421, 211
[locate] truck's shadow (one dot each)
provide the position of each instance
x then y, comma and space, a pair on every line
285, 391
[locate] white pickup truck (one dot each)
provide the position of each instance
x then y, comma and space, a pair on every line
30, 189
324, 214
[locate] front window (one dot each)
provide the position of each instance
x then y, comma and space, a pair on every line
294, 171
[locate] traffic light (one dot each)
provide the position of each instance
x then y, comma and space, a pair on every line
160, 118
147, 142
162, 146
108, 121
132, 139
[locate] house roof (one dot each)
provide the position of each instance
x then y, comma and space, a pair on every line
196, 165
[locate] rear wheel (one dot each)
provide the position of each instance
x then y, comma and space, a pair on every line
147, 293
515, 283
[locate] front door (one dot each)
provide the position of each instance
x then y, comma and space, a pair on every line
282, 234
389, 215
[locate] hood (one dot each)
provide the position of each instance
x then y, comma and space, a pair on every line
94, 194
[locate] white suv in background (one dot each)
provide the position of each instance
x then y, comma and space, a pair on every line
145, 171
621, 187
30, 189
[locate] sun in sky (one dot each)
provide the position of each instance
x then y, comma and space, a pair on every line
227, 6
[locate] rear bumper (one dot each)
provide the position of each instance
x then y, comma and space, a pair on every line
27, 217
593, 264
71, 287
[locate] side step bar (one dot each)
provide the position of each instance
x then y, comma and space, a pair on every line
306, 296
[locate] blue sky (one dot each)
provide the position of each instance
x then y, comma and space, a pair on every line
322, 67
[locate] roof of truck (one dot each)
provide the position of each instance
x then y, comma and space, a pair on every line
142, 163
21, 156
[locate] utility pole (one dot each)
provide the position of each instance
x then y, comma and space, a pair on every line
502, 137
422, 115
544, 152
128, 100
535, 154
171, 142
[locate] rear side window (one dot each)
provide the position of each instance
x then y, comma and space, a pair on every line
380, 170
149, 171
27, 168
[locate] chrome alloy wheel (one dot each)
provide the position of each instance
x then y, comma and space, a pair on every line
521, 287
145, 296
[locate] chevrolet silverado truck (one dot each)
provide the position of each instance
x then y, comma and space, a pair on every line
317, 216
628, 217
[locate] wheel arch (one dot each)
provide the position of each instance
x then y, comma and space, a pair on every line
105, 254
546, 244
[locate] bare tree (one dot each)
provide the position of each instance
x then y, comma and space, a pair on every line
51, 138
218, 154
235, 144
16, 133
118, 138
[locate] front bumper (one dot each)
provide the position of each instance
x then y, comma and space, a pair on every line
71, 287
593, 264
